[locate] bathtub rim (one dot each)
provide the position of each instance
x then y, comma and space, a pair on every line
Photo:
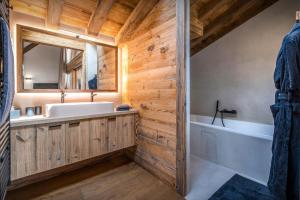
231, 130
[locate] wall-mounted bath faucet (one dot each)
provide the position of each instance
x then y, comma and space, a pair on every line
62, 96
232, 112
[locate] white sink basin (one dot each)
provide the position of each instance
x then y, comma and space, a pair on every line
78, 109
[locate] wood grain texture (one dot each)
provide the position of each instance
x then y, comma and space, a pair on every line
56, 144
77, 141
99, 16
220, 17
135, 19
121, 132
40, 148
51, 173
115, 179
51, 39
107, 68
152, 90
94, 17
54, 12
98, 137
181, 113
23, 155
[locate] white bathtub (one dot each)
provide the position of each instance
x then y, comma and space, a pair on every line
244, 147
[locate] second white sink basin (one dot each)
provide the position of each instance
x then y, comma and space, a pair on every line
78, 109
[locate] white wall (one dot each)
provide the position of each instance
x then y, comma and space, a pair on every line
238, 68
41, 64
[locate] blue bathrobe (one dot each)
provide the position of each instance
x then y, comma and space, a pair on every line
284, 179
8, 72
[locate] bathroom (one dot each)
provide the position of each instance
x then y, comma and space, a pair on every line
237, 86
140, 99
93, 114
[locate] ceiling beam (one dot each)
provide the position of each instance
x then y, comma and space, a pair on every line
196, 28
219, 10
29, 47
137, 16
54, 11
229, 22
203, 11
99, 16
220, 19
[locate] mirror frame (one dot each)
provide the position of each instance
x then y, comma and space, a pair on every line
19, 58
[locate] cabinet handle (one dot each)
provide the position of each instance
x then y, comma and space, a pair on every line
20, 138
41, 128
74, 124
112, 118
55, 127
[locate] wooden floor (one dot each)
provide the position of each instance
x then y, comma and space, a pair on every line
115, 179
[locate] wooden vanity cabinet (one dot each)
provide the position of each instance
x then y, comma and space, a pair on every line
39, 148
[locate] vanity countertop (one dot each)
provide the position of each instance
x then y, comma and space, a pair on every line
41, 119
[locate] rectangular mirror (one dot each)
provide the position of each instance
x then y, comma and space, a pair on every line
50, 63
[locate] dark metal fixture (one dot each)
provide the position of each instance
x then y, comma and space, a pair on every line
92, 96
62, 96
232, 112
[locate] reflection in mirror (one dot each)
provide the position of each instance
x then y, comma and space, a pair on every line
101, 67
51, 67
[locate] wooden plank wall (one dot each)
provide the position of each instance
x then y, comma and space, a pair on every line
152, 90
106, 68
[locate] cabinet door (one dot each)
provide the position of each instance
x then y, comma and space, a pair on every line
98, 137
77, 141
126, 128
23, 150
125, 131
121, 132
52, 146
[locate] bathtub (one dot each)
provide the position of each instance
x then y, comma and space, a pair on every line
244, 147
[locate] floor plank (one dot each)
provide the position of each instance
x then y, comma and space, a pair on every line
112, 180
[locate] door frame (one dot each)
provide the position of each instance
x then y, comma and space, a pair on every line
183, 95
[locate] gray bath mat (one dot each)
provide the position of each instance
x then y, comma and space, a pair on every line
240, 188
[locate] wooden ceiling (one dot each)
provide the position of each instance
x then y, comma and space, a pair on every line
118, 19
113, 18
212, 19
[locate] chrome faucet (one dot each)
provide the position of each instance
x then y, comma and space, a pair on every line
62, 96
92, 96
